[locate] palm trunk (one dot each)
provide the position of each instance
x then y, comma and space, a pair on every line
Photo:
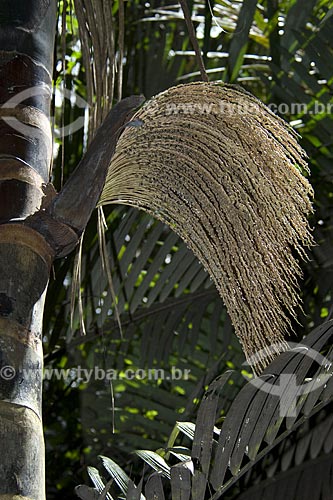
27, 32
35, 227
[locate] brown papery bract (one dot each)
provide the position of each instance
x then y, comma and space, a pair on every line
225, 173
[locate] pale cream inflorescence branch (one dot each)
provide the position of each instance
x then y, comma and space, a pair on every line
225, 173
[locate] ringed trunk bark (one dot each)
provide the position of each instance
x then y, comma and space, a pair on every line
36, 225
27, 32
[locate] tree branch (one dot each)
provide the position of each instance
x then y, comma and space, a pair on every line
64, 219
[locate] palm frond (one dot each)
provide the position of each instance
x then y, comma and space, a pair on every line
116, 473
310, 480
154, 487
100, 492
159, 399
239, 43
312, 440
159, 285
256, 416
253, 427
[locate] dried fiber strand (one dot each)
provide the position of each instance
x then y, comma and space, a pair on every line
76, 289
193, 38
121, 37
96, 30
105, 261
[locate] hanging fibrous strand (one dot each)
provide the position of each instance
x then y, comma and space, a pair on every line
226, 174
96, 31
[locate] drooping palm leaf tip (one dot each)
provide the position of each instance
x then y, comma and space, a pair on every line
225, 173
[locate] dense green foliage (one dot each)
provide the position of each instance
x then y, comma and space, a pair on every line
171, 314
